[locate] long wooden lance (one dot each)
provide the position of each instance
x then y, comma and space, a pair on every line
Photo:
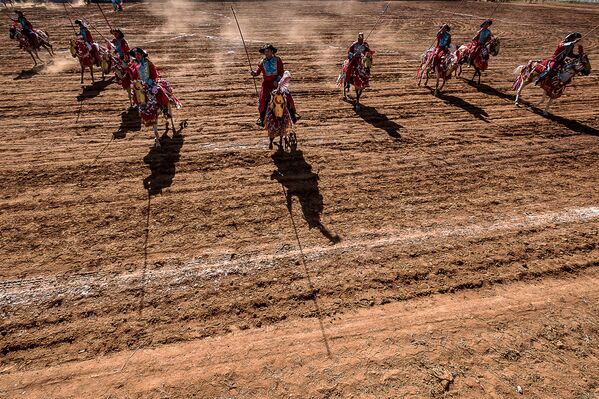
246, 50
591, 31
90, 24
104, 15
378, 20
69, 17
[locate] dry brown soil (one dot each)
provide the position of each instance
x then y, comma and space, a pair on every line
421, 247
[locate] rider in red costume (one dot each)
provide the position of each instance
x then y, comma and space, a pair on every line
564, 51
358, 48
26, 26
89, 40
271, 68
443, 41
145, 70
483, 36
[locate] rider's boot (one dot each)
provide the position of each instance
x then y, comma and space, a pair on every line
294, 115
260, 120
165, 112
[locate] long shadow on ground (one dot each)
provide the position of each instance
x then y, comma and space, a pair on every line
472, 109
162, 163
297, 179
130, 122
29, 73
379, 121
94, 89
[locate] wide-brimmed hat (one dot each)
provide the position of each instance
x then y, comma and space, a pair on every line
488, 22
360, 34
138, 50
119, 31
268, 46
18, 12
79, 22
446, 27
573, 36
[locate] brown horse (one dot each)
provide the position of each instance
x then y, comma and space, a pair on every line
481, 61
31, 45
80, 51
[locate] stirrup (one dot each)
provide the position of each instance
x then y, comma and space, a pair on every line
260, 122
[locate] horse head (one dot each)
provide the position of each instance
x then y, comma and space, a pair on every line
12, 32
584, 65
138, 89
73, 47
107, 62
494, 46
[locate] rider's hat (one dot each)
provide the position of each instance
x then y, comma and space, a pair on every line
78, 22
119, 31
138, 50
488, 22
446, 27
19, 12
572, 36
361, 34
268, 46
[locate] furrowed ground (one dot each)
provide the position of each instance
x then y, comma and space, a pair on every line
423, 246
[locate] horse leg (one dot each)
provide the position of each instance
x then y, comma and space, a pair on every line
270, 143
156, 136
437, 86
34, 60
91, 70
358, 94
473, 76
523, 83
82, 71
545, 111
479, 75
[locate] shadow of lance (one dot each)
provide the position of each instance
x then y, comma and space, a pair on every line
297, 178
379, 121
130, 122
94, 89
29, 73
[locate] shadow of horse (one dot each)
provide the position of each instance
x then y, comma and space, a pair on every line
472, 109
94, 89
297, 179
29, 73
379, 121
162, 163
571, 124
130, 122
486, 89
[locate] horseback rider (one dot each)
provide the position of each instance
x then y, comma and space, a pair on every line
88, 40
117, 5
272, 69
479, 41
358, 48
146, 71
442, 43
121, 47
26, 26
564, 51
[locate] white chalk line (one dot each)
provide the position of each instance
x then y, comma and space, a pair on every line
14, 293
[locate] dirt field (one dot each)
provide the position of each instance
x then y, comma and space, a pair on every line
422, 247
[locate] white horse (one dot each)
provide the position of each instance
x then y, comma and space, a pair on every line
553, 87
